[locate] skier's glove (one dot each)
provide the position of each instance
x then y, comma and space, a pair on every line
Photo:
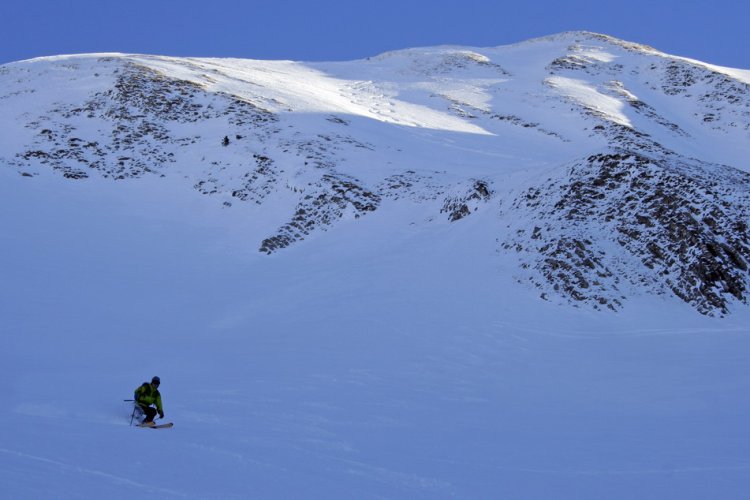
161, 414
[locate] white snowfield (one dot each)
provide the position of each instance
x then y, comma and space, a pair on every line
388, 353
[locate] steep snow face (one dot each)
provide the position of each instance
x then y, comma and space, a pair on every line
453, 130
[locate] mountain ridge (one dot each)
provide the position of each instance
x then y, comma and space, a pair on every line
613, 169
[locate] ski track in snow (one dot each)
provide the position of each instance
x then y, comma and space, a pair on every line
606, 472
640, 332
120, 481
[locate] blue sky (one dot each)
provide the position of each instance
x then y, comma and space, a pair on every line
317, 30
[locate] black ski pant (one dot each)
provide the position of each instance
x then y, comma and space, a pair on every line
149, 412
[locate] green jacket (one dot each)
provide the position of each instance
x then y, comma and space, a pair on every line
148, 395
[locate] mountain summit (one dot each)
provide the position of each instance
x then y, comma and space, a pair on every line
607, 169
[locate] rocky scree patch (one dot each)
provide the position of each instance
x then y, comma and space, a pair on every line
664, 225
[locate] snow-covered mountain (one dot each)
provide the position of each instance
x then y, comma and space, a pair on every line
513, 272
612, 169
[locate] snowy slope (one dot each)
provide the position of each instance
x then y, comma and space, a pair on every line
367, 292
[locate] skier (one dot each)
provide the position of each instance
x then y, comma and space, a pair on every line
146, 396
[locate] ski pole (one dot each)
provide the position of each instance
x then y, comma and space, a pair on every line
135, 408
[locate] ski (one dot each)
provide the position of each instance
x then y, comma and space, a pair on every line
155, 426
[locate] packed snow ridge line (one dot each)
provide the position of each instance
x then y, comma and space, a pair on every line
607, 169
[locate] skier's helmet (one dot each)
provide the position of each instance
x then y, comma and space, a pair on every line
155, 381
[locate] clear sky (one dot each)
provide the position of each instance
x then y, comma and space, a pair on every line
330, 30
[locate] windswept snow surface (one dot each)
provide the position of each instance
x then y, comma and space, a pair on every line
393, 356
